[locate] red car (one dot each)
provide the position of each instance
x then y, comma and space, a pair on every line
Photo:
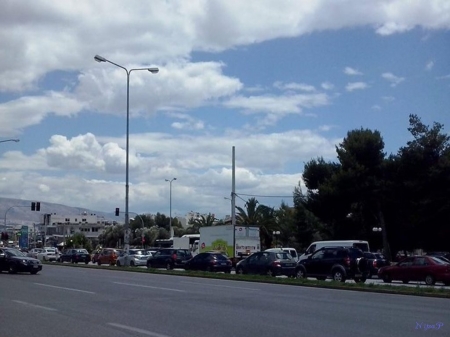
417, 268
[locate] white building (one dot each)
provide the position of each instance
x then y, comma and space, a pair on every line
58, 227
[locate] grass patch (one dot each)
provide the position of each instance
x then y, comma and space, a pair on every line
442, 292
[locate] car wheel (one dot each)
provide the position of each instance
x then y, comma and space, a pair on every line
131, 263
33, 272
338, 276
405, 281
118, 263
86, 262
168, 266
429, 280
12, 270
387, 278
240, 271
300, 273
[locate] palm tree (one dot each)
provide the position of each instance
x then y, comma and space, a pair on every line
258, 215
203, 221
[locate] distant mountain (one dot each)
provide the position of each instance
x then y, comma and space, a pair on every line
18, 211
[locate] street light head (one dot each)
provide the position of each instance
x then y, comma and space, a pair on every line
153, 70
99, 58
174, 178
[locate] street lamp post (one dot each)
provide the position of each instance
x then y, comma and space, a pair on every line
127, 219
170, 206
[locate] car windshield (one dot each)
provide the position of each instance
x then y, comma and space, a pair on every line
82, 251
14, 252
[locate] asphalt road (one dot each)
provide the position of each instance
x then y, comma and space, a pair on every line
83, 302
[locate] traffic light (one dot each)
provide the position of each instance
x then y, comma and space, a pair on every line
38, 206
117, 211
33, 206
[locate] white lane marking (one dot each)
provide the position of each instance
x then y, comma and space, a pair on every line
34, 305
142, 286
144, 332
64, 288
217, 285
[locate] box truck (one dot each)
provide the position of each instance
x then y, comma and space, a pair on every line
236, 244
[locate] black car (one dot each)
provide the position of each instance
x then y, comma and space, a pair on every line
214, 262
75, 255
14, 261
169, 258
338, 263
375, 261
267, 263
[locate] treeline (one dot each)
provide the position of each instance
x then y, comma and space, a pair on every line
405, 194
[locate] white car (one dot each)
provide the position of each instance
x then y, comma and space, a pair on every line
34, 252
48, 254
137, 257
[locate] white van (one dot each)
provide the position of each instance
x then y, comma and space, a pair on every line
291, 251
363, 245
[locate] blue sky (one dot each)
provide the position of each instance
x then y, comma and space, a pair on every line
283, 84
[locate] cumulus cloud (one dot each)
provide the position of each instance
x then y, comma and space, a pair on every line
30, 31
394, 80
15, 115
352, 72
356, 86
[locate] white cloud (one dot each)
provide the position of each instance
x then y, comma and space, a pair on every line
351, 71
189, 123
429, 65
394, 80
388, 98
356, 86
327, 86
277, 106
376, 107
294, 86
176, 29
445, 77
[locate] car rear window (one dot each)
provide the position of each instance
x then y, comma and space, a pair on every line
82, 251
220, 257
283, 256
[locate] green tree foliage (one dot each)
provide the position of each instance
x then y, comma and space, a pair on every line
405, 194
420, 206
78, 240
353, 188
259, 215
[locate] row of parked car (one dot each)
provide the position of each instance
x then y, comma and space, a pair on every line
337, 263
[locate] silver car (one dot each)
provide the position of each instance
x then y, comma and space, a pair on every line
137, 257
